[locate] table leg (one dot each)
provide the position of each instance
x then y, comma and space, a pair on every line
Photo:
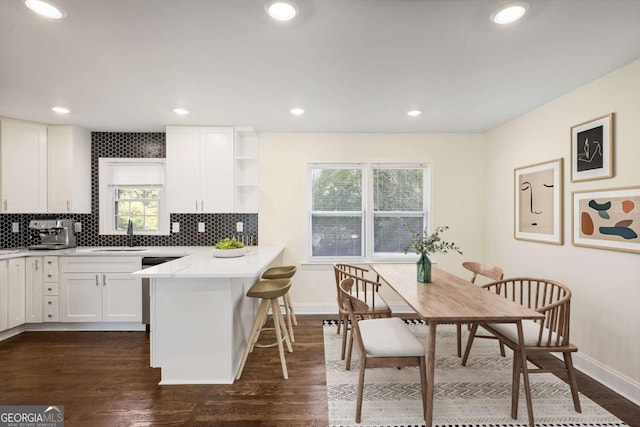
431, 354
525, 373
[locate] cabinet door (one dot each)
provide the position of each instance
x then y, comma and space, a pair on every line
16, 294
121, 298
216, 170
182, 169
69, 169
80, 298
4, 294
34, 284
24, 167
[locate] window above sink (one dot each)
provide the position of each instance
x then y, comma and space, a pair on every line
132, 189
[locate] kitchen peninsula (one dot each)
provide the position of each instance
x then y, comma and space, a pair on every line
200, 317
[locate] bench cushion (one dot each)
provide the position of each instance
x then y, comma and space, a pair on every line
530, 329
389, 337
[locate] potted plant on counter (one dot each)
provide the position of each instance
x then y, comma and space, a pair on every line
229, 248
425, 244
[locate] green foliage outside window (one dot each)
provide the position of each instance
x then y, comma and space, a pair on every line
398, 198
141, 205
337, 189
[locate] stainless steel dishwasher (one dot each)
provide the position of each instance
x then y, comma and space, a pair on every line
148, 262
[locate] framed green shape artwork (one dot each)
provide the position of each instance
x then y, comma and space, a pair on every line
538, 202
607, 219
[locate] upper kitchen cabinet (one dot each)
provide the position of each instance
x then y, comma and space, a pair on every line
246, 170
200, 169
69, 169
23, 152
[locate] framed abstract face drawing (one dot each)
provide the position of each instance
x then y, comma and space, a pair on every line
592, 149
607, 219
538, 202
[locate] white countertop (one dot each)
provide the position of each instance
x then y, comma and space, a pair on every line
140, 251
194, 261
203, 264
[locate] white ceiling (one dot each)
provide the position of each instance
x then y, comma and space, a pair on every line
353, 65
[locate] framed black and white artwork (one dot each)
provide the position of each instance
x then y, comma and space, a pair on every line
592, 149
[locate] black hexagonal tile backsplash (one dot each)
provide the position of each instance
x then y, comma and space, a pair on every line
132, 145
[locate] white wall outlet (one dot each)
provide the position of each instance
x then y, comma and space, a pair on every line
201, 227
77, 226
15, 227
239, 226
175, 227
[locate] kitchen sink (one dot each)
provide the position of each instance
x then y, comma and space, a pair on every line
119, 250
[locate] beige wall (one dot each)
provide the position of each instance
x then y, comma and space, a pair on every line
472, 181
605, 284
457, 174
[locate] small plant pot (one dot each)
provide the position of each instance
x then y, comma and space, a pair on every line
229, 253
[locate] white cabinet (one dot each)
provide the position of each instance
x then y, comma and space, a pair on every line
246, 170
4, 294
34, 283
50, 290
16, 297
100, 289
200, 169
23, 150
69, 169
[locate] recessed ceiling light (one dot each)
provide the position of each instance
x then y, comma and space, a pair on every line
297, 111
414, 113
46, 9
281, 10
61, 110
509, 13
181, 111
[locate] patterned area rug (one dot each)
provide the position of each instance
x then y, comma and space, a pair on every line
476, 395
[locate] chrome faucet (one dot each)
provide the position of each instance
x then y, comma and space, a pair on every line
130, 234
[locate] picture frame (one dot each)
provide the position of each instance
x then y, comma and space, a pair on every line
592, 149
538, 202
607, 219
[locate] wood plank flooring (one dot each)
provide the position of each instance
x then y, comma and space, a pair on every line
104, 379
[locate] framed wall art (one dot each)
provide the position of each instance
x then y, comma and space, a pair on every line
607, 219
538, 202
592, 149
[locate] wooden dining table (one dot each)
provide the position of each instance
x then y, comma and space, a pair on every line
451, 299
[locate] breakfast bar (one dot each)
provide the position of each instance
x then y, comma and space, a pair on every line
200, 318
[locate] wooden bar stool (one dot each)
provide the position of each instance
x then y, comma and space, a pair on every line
284, 272
269, 291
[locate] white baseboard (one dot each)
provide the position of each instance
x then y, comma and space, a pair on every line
620, 384
11, 332
54, 326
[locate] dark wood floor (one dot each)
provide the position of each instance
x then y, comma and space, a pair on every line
103, 379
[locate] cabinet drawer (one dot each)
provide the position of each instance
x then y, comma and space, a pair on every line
50, 268
50, 309
50, 289
81, 264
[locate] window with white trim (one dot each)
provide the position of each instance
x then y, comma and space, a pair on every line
132, 189
361, 211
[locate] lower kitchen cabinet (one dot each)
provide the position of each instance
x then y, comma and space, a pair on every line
4, 294
50, 290
16, 298
99, 289
34, 282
